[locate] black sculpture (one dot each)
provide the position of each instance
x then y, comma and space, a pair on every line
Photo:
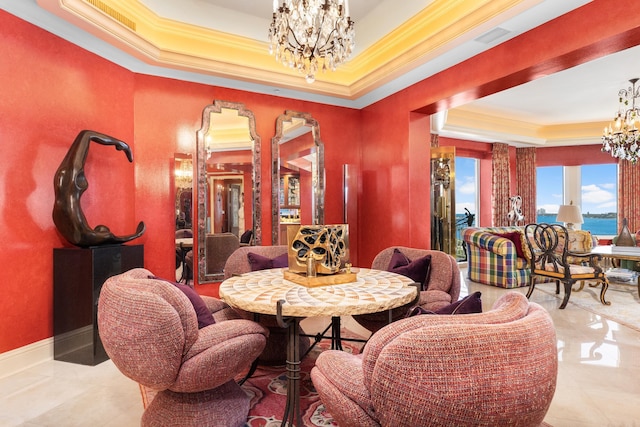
69, 184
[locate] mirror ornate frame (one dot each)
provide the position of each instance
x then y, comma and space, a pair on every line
316, 152
202, 156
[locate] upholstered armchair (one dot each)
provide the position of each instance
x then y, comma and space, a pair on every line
441, 288
497, 368
238, 262
275, 351
219, 247
150, 329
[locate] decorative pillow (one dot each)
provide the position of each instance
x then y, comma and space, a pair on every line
205, 318
470, 304
417, 270
522, 250
580, 241
398, 259
260, 262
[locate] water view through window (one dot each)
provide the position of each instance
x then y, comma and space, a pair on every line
599, 193
466, 182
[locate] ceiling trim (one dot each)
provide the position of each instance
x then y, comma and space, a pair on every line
155, 40
459, 122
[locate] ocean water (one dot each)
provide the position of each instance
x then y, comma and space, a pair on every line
597, 226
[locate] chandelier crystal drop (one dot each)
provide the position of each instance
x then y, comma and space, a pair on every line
311, 35
621, 138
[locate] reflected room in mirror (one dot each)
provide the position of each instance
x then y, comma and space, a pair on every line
183, 176
297, 174
183, 180
228, 186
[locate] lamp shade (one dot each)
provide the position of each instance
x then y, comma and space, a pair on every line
570, 214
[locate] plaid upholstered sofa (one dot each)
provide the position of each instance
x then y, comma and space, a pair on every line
493, 259
502, 261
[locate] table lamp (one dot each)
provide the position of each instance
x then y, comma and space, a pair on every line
570, 214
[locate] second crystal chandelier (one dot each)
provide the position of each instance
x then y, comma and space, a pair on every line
311, 35
622, 137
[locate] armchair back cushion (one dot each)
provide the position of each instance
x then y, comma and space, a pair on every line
219, 247
239, 262
443, 282
441, 288
489, 369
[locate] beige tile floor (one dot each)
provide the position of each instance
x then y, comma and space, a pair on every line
598, 379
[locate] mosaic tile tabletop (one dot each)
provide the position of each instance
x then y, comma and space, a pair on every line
374, 291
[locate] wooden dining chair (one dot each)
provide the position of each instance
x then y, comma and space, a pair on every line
550, 258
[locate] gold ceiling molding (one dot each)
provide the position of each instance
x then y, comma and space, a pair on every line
522, 133
113, 13
421, 39
131, 26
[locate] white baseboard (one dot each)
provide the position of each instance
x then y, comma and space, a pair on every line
17, 360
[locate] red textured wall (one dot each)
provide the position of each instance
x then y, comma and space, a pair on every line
52, 89
572, 156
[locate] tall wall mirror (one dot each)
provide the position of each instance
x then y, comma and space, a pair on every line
183, 171
228, 186
298, 174
183, 212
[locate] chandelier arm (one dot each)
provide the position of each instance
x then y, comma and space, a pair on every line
293, 34
315, 43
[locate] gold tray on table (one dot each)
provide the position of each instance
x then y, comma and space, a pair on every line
320, 280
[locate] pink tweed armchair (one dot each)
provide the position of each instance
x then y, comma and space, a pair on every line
497, 368
149, 328
442, 285
275, 351
238, 261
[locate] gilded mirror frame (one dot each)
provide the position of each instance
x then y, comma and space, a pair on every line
318, 180
201, 160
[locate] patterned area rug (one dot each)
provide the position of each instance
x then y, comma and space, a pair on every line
268, 388
624, 308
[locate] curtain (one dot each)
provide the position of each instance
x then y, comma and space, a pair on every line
526, 182
628, 196
500, 184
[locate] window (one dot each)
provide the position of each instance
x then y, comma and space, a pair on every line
467, 192
592, 187
549, 193
599, 193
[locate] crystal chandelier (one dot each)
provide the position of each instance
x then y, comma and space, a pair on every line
184, 174
621, 138
311, 35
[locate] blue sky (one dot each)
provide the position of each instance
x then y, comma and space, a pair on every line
599, 187
465, 169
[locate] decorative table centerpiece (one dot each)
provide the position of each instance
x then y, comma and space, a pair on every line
318, 255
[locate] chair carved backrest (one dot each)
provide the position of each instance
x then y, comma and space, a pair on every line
547, 244
552, 258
